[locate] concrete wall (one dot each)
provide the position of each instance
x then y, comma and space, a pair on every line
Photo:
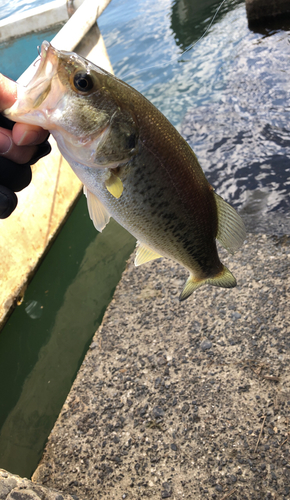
258, 10
36, 19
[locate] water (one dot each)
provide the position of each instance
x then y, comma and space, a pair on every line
242, 135
17, 55
46, 338
229, 96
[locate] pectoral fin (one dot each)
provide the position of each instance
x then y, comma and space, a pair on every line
114, 185
98, 213
224, 279
231, 229
145, 254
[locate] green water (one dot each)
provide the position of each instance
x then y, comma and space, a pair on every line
47, 336
17, 55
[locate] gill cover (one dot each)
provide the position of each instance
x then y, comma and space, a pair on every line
78, 103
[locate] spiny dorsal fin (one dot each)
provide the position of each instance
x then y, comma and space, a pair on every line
98, 213
224, 279
231, 229
145, 254
114, 185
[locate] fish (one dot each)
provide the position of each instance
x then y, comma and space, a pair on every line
134, 164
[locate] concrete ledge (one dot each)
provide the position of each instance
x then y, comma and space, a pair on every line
36, 19
183, 401
24, 236
39, 18
259, 10
13, 487
42, 206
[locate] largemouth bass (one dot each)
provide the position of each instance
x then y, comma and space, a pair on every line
134, 165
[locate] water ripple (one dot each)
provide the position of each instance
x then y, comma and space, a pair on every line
242, 139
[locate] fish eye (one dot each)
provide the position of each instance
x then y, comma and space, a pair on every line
83, 82
131, 141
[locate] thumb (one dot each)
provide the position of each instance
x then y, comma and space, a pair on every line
8, 92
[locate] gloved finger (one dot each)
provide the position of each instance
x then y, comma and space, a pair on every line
42, 150
5, 122
8, 202
14, 176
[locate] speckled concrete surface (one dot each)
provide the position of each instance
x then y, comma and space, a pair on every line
13, 487
185, 400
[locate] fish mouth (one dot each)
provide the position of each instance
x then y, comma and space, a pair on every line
27, 108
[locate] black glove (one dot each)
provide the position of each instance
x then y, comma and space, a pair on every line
15, 177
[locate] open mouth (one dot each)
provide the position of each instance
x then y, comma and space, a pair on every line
46, 66
29, 99
40, 85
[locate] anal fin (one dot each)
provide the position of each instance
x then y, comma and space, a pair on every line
224, 279
98, 213
145, 254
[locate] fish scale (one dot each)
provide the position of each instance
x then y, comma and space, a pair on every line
161, 227
134, 164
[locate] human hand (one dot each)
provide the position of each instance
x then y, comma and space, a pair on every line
21, 145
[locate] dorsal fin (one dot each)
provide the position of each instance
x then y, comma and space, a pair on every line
98, 213
231, 229
145, 254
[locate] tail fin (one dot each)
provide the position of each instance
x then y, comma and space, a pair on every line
223, 279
